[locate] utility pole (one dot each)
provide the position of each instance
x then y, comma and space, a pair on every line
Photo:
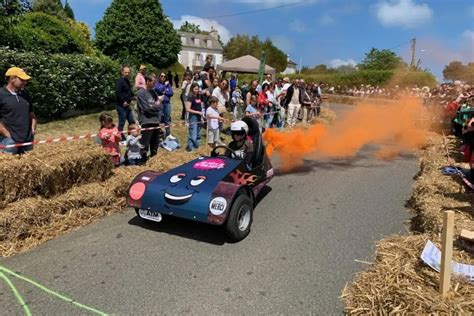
413, 53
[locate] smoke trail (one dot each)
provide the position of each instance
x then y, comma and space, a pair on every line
392, 126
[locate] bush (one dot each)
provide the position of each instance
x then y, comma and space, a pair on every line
356, 78
64, 82
43, 32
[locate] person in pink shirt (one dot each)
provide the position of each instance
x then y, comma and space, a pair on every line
110, 137
140, 82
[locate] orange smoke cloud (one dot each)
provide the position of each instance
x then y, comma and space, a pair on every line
393, 127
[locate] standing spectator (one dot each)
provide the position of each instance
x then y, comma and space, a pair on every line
208, 63
176, 80
279, 97
164, 88
123, 97
169, 77
110, 137
268, 80
221, 92
150, 108
244, 89
185, 86
233, 83
263, 103
134, 147
17, 119
194, 107
213, 123
293, 101
140, 78
252, 91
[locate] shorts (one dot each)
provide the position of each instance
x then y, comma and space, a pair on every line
213, 136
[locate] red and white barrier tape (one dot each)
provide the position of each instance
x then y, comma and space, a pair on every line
90, 136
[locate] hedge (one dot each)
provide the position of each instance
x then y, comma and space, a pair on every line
64, 82
356, 78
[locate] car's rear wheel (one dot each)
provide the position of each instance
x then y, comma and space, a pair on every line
240, 218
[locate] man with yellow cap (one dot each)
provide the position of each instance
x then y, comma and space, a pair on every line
17, 119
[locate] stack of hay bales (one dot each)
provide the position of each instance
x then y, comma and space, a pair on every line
398, 282
66, 191
51, 170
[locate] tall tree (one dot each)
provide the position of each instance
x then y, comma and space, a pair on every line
68, 11
383, 59
51, 7
190, 27
137, 31
242, 45
455, 70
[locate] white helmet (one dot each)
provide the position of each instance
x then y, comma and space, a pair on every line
239, 126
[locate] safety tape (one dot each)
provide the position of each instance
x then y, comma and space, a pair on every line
91, 136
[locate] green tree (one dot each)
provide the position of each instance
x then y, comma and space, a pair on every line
68, 11
43, 32
191, 28
455, 70
137, 31
51, 7
383, 59
242, 45
10, 15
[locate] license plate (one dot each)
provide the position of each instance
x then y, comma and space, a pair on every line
150, 215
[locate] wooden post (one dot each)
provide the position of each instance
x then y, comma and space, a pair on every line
446, 252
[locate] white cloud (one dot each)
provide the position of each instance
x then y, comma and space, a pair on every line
326, 19
297, 26
404, 13
469, 34
334, 63
204, 25
283, 43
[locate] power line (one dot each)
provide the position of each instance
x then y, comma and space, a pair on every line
256, 11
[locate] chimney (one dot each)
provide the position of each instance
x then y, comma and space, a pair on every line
287, 58
214, 33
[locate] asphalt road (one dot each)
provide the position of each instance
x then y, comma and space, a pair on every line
307, 232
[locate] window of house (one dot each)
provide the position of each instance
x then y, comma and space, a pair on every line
183, 40
198, 57
209, 43
196, 41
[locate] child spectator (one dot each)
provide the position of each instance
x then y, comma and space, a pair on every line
252, 109
134, 148
213, 119
110, 137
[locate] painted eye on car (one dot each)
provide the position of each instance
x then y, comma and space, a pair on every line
197, 181
177, 178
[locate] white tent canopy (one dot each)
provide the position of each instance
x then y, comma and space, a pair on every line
244, 64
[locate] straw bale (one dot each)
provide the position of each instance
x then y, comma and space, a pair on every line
398, 283
434, 192
51, 169
31, 221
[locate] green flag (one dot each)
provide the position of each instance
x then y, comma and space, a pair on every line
261, 70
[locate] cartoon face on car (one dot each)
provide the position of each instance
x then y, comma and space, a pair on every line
183, 187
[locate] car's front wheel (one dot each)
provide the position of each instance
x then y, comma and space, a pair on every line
240, 218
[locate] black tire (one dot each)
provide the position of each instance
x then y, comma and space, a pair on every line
240, 218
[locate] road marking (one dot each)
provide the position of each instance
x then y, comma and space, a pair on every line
43, 288
17, 294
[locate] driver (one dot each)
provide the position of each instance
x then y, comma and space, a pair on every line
242, 147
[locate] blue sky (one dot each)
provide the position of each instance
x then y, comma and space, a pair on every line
331, 32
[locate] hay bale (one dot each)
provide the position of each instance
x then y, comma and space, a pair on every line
399, 283
32, 221
434, 193
51, 169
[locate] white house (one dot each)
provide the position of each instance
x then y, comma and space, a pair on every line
291, 67
195, 48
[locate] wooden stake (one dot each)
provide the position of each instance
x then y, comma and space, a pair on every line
446, 252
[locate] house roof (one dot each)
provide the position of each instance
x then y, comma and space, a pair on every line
244, 64
202, 40
290, 62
